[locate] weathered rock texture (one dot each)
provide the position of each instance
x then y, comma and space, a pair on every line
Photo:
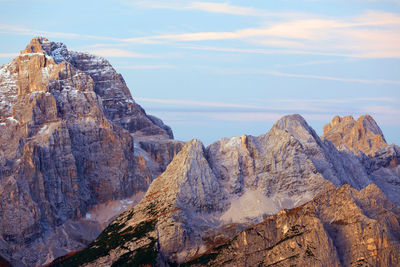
342, 227
69, 132
365, 139
206, 195
363, 134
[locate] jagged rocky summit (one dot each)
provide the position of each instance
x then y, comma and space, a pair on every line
71, 138
362, 134
199, 209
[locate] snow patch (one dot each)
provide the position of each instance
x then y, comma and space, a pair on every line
12, 119
234, 141
42, 129
57, 54
31, 54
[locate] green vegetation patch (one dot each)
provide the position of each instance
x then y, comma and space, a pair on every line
151, 209
143, 228
109, 239
140, 257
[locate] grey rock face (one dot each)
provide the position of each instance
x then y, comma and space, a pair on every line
168, 219
365, 139
206, 196
289, 165
68, 129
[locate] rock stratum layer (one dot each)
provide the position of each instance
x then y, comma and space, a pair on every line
206, 196
71, 137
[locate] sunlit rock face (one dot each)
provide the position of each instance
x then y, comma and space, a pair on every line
362, 134
364, 138
341, 227
70, 135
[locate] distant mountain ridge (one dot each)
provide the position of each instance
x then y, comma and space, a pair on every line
207, 196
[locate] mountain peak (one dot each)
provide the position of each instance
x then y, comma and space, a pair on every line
58, 51
297, 126
362, 134
189, 179
72, 138
36, 45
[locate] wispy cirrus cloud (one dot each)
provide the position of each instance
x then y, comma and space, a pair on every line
186, 102
266, 51
287, 104
339, 101
373, 34
213, 7
321, 110
2, 55
388, 115
329, 78
301, 76
19, 30
115, 52
148, 67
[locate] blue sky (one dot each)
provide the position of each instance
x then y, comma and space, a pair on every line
226, 68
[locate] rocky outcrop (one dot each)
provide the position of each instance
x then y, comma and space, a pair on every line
384, 170
166, 222
365, 139
363, 134
206, 195
284, 168
342, 227
69, 132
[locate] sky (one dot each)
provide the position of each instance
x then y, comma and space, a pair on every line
213, 69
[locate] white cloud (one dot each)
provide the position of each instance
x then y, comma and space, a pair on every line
187, 102
373, 34
14, 29
370, 35
157, 66
387, 115
247, 116
227, 71
114, 52
212, 7
8, 55
338, 101
266, 51
330, 78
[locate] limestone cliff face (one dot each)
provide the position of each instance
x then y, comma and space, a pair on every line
289, 166
68, 141
207, 195
342, 227
169, 224
365, 139
362, 134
